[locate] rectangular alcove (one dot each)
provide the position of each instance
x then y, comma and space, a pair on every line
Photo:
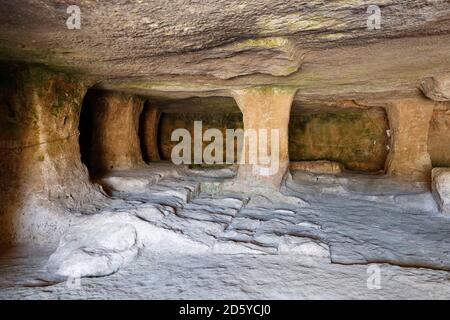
354, 138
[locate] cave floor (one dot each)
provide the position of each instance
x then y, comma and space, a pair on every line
323, 236
156, 275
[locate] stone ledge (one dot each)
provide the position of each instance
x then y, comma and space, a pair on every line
320, 166
437, 88
441, 188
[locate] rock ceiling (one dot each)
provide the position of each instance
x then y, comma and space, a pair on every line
188, 48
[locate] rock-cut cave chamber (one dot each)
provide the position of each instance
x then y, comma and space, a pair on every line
363, 154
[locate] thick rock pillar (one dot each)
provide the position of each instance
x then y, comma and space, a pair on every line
41, 173
115, 140
266, 112
409, 121
149, 133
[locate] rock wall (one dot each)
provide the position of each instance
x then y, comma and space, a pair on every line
172, 121
353, 137
41, 174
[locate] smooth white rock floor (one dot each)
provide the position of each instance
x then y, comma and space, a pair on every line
173, 241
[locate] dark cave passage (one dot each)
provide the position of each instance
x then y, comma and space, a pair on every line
85, 127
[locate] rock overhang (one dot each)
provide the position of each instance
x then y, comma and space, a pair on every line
319, 47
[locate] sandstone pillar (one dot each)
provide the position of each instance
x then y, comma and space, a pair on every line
115, 140
41, 173
409, 121
264, 110
149, 133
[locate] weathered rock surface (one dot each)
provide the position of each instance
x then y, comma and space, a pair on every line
41, 175
214, 113
350, 219
441, 188
437, 88
352, 135
409, 121
390, 210
264, 55
164, 275
94, 248
321, 47
115, 140
438, 142
266, 112
355, 137
320, 166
